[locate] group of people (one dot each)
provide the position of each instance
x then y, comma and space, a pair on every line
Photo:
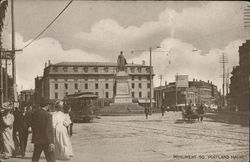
14, 130
51, 127
188, 110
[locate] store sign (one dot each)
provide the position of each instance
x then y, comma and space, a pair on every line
181, 81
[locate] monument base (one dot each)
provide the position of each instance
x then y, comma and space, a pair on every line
122, 109
122, 88
123, 99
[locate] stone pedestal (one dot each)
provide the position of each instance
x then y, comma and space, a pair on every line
122, 88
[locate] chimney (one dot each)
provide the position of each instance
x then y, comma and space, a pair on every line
143, 62
193, 80
208, 81
49, 63
166, 83
45, 64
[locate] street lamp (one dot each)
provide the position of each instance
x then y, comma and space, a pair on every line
150, 66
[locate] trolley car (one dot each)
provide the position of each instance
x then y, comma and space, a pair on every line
82, 106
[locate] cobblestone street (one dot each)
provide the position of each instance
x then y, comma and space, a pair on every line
168, 138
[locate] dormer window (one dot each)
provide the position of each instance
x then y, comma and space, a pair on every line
65, 69
55, 69
75, 69
85, 69
106, 69
96, 69
139, 69
132, 70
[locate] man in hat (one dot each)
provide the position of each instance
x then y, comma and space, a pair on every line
42, 136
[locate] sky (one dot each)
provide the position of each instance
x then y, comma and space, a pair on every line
191, 35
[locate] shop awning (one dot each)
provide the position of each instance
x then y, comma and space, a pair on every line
145, 100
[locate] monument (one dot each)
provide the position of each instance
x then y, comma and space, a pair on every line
122, 87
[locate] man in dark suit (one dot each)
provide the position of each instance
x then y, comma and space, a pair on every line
42, 136
23, 118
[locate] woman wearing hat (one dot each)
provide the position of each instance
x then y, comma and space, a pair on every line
7, 132
63, 147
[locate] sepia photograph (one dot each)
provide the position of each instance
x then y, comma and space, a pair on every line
124, 81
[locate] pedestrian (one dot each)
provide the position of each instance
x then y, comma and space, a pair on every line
1, 130
42, 136
146, 112
23, 121
201, 112
63, 147
16, 125
162, 110
189, 111
69, 114
7, 133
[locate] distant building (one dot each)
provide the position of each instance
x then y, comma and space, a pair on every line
197, 92
26, 97
239, 92
65, 78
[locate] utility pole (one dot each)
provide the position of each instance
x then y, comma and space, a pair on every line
227, 82
1, 75
161, 96
13, 52
176, 79
223, 61
151, 73
150, 64
6, 79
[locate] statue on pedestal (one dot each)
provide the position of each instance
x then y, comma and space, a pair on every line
121, 62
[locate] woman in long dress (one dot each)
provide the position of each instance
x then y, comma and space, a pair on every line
63, 147
7, 134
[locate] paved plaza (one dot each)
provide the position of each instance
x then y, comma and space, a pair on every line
158, 139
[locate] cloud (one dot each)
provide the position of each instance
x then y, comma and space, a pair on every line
30, 62
184, 58
109, 34
213, 25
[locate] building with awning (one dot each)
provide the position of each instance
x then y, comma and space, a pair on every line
146, 102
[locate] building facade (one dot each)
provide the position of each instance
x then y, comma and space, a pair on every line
197, 92
26, 97
239, 92
65, 78
7, 86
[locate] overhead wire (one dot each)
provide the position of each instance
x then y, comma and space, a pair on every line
48, 25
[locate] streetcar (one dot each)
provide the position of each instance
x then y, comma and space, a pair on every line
83, 106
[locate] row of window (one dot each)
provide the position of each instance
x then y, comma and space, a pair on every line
97, 85
140, 94
139, 85
107, 94
106, 69
85, 86
106, 78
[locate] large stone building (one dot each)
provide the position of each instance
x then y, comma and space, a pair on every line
197, 92
239, 92
65, 78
